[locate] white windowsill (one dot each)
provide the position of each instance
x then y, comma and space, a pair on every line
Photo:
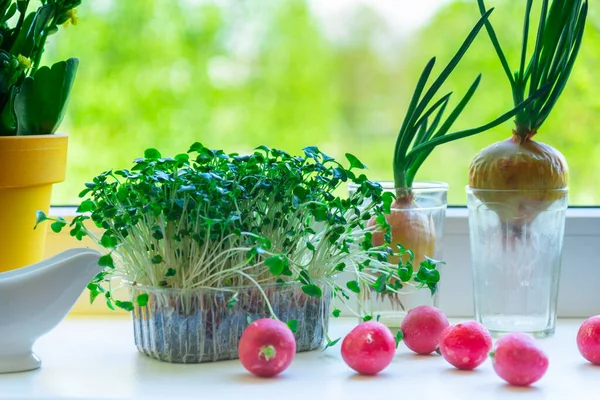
97, 359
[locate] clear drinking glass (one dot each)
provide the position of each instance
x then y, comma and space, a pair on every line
516, 249
421, 225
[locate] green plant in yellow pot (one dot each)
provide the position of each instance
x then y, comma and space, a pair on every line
33, 101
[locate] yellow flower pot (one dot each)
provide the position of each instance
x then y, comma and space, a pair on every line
29, 166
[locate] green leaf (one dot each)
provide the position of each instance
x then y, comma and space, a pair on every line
353, 286
170, 272
106, 261
300, 192
182, 158
405, 274
312, 290
125, 305
93, 295
331, 343
336, 313
41, 103
275, 264
380, 284
340, 267
293, 325
232, 301
157, 233
367, 318
8, 119
355, 162
152, 154
304, 277
86, 206
399, 338
40, 217
156, 259
142, 299
23, 43
41, 21
108, 241
57, 226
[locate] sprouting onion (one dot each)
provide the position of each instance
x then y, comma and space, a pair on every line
424, 128
534, 172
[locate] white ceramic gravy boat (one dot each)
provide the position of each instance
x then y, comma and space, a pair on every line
36, 298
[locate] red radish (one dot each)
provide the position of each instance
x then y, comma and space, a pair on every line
369, 348
465, 345
267, 347
422, 328
518, 360
588, 339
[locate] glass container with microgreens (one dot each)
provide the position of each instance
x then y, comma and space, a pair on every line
207, 242
518, 188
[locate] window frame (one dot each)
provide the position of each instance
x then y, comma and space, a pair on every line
578, 294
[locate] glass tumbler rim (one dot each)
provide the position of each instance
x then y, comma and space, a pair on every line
418, 186
474, 190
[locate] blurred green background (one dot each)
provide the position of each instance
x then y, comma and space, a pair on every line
235, 74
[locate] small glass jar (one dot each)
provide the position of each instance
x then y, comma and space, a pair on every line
418, 222
516, 250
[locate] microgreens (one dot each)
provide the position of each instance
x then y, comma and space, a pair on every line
210, 220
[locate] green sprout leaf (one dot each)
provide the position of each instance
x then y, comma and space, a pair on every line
275, 264
106, 261
336, 313
57, 226
232, 301
108, 241
93, 295
86, 206
380, 284
170, 272
405, 274
312, 290
353, 286
142, 299
399, 338
40, 217
355, 162
152, 154
293, 325
125, 305
331, 343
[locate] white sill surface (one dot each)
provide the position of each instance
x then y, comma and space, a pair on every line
96, 359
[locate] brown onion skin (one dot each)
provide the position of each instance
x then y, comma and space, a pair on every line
533, 169
515, 165
410, 228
